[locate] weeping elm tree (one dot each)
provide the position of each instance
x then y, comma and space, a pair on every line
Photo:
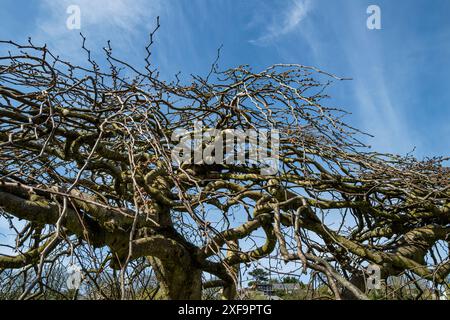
101, 166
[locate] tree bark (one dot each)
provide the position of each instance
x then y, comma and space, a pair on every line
178, 279
359, 281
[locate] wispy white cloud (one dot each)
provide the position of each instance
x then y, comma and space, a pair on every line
127, 24
121, 21
103, 14
380, 117
377, 108
284, 22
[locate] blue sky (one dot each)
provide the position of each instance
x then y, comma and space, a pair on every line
399, 92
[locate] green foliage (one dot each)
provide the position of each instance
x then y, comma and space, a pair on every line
259, 275
289, 279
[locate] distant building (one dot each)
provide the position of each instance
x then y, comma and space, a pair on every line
266, 288
269, 288
286, 287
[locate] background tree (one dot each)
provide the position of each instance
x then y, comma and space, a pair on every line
289, 279
85, 165
260, 276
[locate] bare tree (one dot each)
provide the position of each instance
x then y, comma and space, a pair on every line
86, 165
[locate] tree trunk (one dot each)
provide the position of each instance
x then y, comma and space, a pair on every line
359, 281
178, 279
229, 292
